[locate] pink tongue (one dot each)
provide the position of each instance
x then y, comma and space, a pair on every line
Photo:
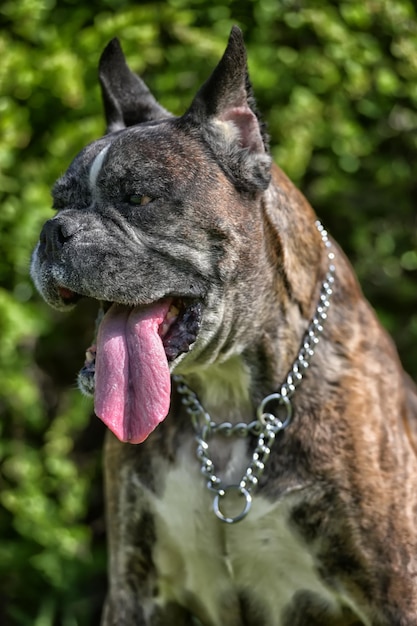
133, 387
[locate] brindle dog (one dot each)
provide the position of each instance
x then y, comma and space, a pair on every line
209, 265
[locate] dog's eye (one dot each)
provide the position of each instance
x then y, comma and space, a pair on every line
139, 200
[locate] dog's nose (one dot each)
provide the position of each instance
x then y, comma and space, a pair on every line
55, 234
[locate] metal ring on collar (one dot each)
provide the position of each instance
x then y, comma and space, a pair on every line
221, 493
265, 417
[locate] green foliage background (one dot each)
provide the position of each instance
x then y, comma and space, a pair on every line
337, 82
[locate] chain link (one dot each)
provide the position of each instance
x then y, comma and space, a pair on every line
267, 425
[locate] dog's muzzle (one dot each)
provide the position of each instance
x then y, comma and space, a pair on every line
127, 368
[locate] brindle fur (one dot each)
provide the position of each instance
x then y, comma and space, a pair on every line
233, 231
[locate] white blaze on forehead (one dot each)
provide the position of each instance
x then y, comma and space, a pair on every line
96, 167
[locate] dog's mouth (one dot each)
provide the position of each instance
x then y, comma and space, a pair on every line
127, 368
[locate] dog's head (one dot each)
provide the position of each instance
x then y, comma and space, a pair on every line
158, 220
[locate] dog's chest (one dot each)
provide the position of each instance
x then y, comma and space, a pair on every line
215, 568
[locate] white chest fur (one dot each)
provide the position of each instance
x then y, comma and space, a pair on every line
202, 560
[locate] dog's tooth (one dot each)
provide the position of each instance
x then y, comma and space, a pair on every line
170, 318
173, 312
90, 355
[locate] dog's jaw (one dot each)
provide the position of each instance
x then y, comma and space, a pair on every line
128, 368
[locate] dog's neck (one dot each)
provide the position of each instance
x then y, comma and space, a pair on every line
225, 389
300, 258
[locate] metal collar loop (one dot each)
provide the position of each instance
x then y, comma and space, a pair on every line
267, 425
275, 422
221, 493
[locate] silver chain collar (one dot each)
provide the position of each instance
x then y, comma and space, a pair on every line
267, 425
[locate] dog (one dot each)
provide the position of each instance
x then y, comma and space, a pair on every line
260, 462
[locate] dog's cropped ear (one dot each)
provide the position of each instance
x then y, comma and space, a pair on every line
127, 100
224, 108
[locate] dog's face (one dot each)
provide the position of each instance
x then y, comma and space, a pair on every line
157, 220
